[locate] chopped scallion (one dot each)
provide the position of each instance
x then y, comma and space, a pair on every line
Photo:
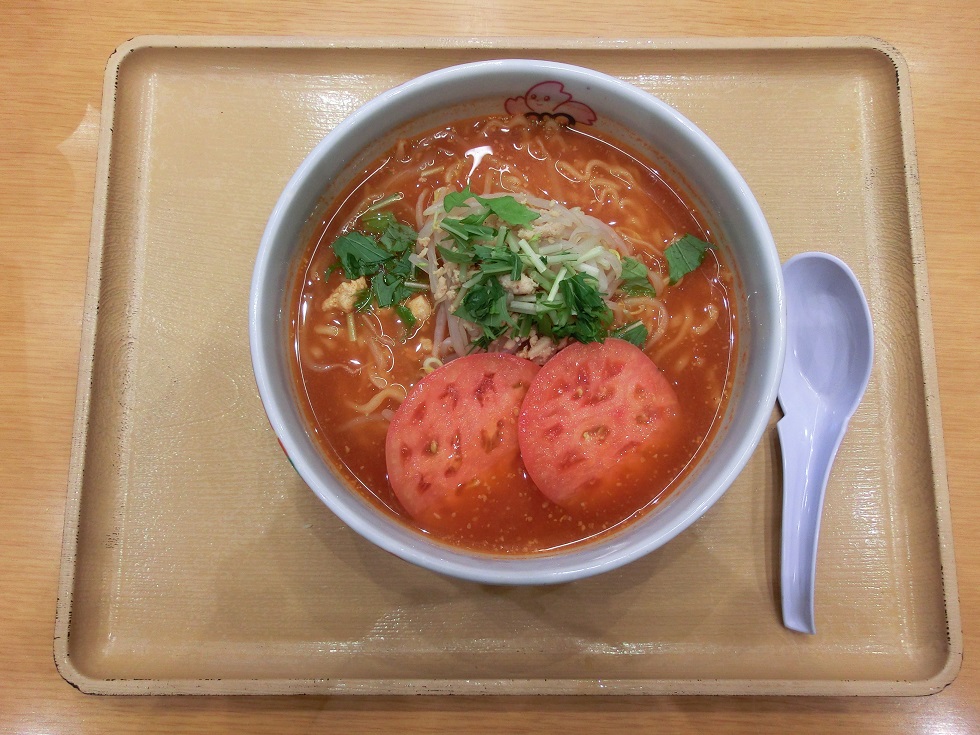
385, 201
523, 307
562, 257
555, 247
590, 255
532, 256
501, 236
554, 287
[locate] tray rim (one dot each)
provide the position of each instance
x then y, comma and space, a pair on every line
797, 687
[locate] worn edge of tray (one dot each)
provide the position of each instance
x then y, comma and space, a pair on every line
69, 552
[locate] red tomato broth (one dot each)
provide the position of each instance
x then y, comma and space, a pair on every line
615, 185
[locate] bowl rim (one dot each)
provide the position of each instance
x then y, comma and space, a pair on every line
580, 561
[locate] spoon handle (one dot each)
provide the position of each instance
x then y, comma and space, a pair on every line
809, 442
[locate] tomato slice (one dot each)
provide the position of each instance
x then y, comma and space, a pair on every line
454, 438
593, 413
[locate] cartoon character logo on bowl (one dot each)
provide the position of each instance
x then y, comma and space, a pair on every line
549, 99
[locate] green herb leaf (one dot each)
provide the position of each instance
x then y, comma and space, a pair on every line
684, 256
455, 198
359, 255
524, 324
389, 288
635, 333
477, 218
402, 266
363, 300
378, 222
455, 256
406, 315
592, 316
506, 207
395, 237
399, 238
486, 306
498, 261
517, 268
635, 281
509, 210
387, 267
469, 229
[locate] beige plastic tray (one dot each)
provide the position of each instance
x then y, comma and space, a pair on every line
195, 560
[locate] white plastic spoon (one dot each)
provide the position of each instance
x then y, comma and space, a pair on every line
829, 352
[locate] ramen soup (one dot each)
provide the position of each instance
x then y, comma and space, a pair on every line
513, 334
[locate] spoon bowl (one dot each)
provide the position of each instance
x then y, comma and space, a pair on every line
830, 349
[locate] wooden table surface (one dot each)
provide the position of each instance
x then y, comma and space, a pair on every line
51, 70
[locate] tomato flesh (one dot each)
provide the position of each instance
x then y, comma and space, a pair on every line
591, 416
454, 438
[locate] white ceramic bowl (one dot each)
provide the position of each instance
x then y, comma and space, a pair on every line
733, 216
